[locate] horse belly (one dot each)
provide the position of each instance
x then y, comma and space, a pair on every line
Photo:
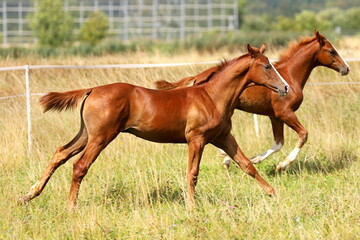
160, 136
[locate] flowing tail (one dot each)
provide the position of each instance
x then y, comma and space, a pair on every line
59, 101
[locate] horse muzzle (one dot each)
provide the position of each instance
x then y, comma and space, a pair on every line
285, 91
344, 70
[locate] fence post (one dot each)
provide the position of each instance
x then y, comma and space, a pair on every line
210, 15
20, 21
236, 14
256, 125
81, 13
4, 22
126, 20
155, 24
111, 15
182, 19
28, 107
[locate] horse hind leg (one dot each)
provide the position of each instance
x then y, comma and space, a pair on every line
62, 154
303, 135
82, 164
278, 132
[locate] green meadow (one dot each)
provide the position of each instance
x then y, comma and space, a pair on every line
136, 189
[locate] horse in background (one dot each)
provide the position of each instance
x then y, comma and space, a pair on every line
196, 115
295, 65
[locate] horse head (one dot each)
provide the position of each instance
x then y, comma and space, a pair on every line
262, 72
329, 57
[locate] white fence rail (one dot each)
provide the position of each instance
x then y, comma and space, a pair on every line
28, 93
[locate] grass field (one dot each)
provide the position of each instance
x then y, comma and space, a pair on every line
135, 190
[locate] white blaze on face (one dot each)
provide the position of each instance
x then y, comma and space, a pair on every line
341, 57
282, 79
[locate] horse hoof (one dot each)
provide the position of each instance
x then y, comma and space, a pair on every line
226, 166
273, 193
23, 200
255, 160
280, 167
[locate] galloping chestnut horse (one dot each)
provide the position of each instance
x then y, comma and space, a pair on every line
196, 115
295, 65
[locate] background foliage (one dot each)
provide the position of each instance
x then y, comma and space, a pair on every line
95, 28
51, 25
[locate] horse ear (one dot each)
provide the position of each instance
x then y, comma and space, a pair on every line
320, 38
263, 48
251, 51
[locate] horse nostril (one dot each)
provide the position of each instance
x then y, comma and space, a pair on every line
286, 88
348, 69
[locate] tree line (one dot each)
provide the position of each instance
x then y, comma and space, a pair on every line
300, 15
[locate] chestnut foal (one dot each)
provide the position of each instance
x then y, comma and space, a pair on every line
196, 115
295, 66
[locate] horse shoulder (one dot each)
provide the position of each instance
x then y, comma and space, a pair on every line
202, 114
290, 103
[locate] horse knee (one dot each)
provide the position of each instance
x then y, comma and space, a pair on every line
79, 171
303, 135
60, 156
248, 168
193, 176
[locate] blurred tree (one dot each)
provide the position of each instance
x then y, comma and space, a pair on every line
308, 20
343, 4
95, 28
51, 25
256, 23
241, 11
284, 23
289, 8
335, 16
352, 20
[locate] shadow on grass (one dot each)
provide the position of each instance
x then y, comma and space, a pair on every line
162, 194
321, 163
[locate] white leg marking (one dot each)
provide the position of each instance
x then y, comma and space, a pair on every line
261, 157
290, 158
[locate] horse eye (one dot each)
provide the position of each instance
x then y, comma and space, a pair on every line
332, 52
267, 67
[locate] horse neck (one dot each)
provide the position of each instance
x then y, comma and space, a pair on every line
225, 90
300, 64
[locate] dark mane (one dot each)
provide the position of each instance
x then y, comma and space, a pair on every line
294, 46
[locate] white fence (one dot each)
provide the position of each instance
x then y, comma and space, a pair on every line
28, 93
129, 19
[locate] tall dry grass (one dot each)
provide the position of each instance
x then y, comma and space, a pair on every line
135, 190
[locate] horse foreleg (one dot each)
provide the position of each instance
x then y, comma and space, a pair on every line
195, 149
292, 121
278, 133
62, 154
229, 145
